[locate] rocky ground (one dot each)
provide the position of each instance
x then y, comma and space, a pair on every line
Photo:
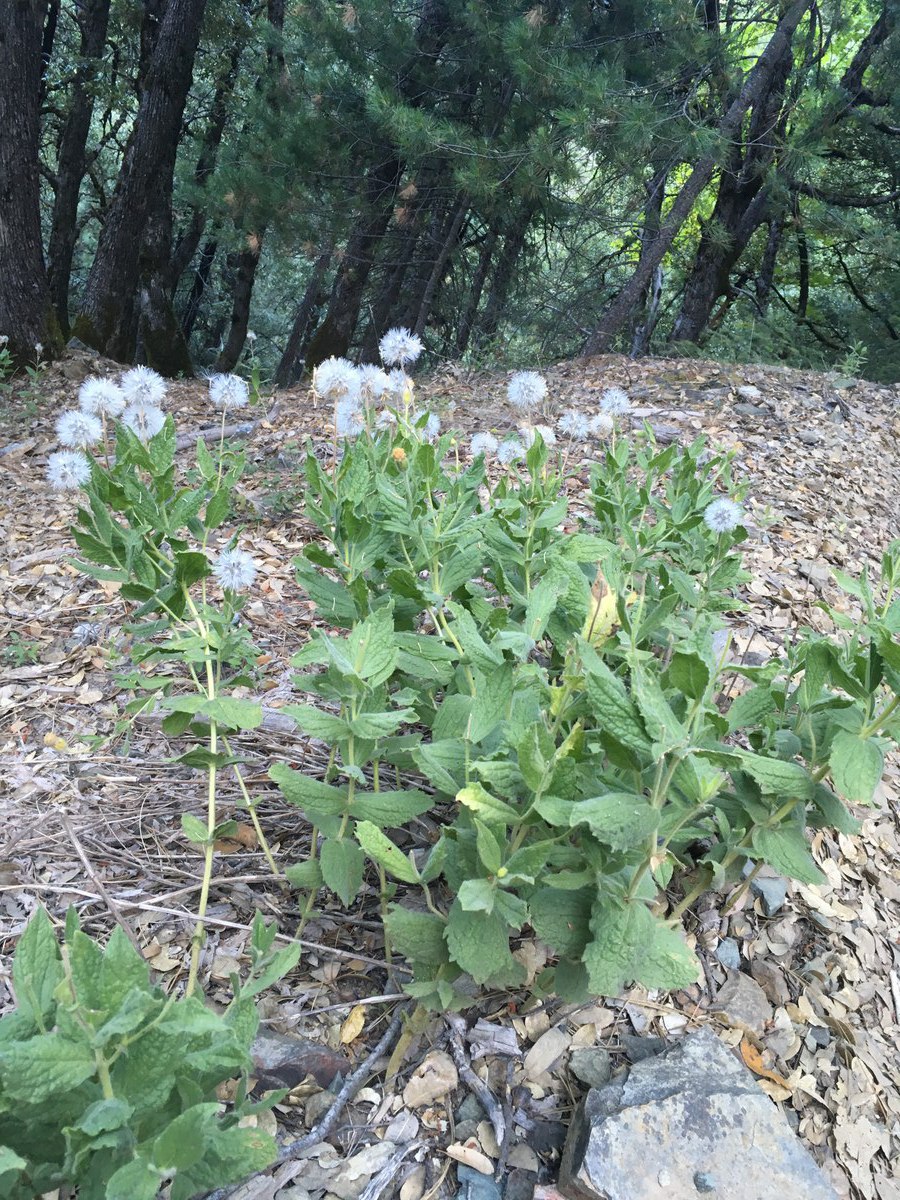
803, 983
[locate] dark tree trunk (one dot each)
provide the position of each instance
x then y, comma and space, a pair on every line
470, 312
245, 265
93, 19
729, 127
189, 239
448, 245
107, 318
395, 270
48, 38
766, 276
25, 309
161, 344
728, 231
336, 332
648, 302
198, 286
427, 250
290, 366
501, 281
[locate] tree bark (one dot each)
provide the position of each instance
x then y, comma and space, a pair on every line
290, 366
26, 315
448, 245
470, 312
198, 286
504, 272
93, 19
245, 264
648, 302
107, 317
728, 130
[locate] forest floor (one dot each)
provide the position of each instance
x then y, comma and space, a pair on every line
90, 804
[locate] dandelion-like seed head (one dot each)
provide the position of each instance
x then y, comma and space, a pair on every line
78, 430
526, 389
38, 349
431, 427
68, 469
723, 515
374, 383
602, 425
235, 570
483, 443
510, 450
575, 425
615, 402
101, 397
4, 340
251, 336
349, 420
143, 385
528, 433
399, 347
385, 419
146, 420
229, 391
335, 378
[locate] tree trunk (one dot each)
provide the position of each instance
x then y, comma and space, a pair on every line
470, 312
766, 275
93, 19
290, 366
26, 315
161, 343
198, 287
448, 245
246, 263
402, 248
107, 317
648, 302
504, 271
729, 127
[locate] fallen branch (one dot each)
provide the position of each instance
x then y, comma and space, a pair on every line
237, 429
485, 1096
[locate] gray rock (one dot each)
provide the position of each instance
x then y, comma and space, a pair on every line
591, 1064
696, 1118
744, 1003
809, 437
469, 1110
751, 410
639, 1048
728, 953
772, 891
475, 1186
749, 391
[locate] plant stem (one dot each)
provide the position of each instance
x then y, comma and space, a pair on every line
251, 808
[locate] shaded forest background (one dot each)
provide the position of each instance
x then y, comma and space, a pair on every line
199, 184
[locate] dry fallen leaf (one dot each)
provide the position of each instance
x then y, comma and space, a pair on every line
353, 1025
243, 838
753, 1059
469, 1154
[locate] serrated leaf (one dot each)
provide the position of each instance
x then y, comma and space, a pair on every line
477, 895
37, 1069
785, 848
750, 708
390, 810
562, 919
774, 776
137, 1180
857, 765
488, 848
182, 1143
631, 945
382, 850
479, 943
194, 829
307, 875
419, 936
479, 801
490, 705
235, 713
309, 794
619, 819
342, 867
614, 712
37, 970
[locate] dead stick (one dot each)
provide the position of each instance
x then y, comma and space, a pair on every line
479, 1087
107, 898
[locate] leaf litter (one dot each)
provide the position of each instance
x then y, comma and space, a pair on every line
808, 992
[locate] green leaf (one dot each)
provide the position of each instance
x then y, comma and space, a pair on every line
342, 867
194, 829
479, 801
43, 1066
631, 945
236, 714
620, 820
490, 706
309, 794
383, 851
689, 674
613, 710
775, 777
10, 1161
477, 895
390, 810
218, 508
307, 875
785, 848
332, 599
488, 848
419, 936
834, 813
372, 649
482, 656
37, 970
479, 943
231, 1154
137, 1180
443, 763
857, 765
562, 919
750, 708
182, 1142
103, 1116
660, 722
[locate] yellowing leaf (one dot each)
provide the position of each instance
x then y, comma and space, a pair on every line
353, 1025
55, 742
754, 1061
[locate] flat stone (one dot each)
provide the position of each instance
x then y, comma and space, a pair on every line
280, 1061
772, 891
473, 1185
591, 1064
749, 391
728, 953
809, 437
686, 1125
751, 410
744, 1003
639, 1048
